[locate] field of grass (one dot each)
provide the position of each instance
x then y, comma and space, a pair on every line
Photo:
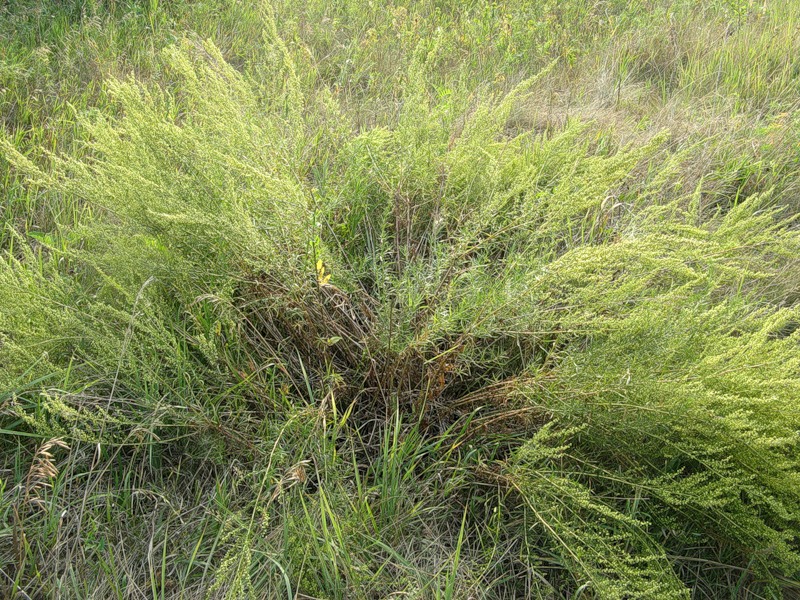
437, 299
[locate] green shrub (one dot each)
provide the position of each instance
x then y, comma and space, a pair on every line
441, 354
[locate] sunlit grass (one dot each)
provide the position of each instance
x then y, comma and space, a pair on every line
427, 300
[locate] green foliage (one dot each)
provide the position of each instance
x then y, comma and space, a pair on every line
351, 300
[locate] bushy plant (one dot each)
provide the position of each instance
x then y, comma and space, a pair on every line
290, 351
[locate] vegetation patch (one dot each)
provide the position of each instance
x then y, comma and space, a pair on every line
425, 300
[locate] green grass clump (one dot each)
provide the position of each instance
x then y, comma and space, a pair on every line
432, 300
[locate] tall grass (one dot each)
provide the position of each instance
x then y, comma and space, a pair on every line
434, 300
